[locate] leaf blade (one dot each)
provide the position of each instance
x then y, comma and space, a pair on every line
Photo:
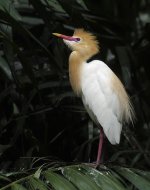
137, 180
58, 182
81, 181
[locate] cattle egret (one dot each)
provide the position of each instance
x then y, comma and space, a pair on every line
102, 93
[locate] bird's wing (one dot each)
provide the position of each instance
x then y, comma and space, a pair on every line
100, 99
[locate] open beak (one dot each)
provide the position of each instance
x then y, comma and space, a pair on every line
69, 38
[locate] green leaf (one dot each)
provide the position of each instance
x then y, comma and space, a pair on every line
8, 6
27, 35
81, 2
24, 61
103, 178
38, 172
41, 9
145, 174
35, 183
15, 109
32, 20
55, 5
5, 68
80, 180
17, 187
2, 177
57, 181
138, 181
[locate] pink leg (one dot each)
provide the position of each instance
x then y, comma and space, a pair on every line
99, 153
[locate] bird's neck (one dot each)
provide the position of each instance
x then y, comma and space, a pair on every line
76, 60
75, 64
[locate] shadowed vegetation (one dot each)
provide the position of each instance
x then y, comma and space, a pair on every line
41, 120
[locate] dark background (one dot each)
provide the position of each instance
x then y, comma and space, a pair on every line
40, 115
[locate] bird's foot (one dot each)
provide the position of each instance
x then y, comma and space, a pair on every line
93, 164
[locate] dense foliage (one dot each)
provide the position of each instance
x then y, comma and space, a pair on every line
40, 115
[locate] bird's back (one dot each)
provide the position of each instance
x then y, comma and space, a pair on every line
105, 98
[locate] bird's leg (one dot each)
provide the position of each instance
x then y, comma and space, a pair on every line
90, 137
99, 153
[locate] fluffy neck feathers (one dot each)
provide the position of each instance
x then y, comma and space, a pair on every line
76, 60
75, 63
82, 51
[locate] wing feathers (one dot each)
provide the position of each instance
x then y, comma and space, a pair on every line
102, 101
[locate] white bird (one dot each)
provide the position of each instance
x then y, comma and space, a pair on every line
102, 93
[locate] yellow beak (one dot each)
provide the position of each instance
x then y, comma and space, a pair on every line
57, 34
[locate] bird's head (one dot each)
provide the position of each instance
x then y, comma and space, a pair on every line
82, 41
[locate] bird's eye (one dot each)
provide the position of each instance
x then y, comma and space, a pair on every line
77, 39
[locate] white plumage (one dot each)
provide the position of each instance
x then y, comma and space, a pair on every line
100, 100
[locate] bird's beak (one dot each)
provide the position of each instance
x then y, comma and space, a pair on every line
69, 38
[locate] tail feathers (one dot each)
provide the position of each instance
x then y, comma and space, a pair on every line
112, 129
113, 133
